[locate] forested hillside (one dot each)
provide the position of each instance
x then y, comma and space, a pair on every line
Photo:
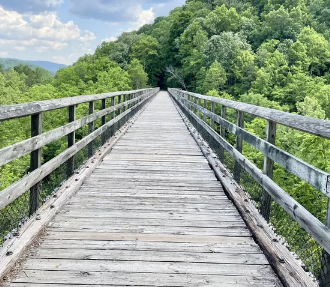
273, 53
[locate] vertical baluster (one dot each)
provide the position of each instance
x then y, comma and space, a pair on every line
268, 170
71, 139
200, 105
35, 162
91, 129
222, 133
112, 116
104, 135
213, 111
205, 107
124, 100
325, 259
239, 147
119, 112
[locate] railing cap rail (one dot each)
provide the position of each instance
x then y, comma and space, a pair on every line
303, 123
22, 110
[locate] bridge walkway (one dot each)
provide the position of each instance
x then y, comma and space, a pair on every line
152, 214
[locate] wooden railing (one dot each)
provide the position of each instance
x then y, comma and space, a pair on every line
122, 103
191, 104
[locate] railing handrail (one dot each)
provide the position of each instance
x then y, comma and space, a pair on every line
131, 101
8, 112
319, 231
303, 123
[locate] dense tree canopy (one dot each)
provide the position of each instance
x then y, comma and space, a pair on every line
273, 53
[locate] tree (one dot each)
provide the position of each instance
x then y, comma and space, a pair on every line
146, 51
138, 76
222, 19
317, 49
215, 77
224, 48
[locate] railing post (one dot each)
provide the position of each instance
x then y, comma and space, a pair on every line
71, 140
112, 116
268, 170
223, 133
324, 280
205, 107
119, 112
200, 105
104, 135
212, 111
91, 129
35, 162
239, 147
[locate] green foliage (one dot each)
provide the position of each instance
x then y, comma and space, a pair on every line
215, 78
137, 75
271, 53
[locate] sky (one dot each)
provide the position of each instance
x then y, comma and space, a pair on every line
63, 30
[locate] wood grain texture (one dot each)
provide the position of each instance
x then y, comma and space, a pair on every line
319, 231
314, 176
306, 124
287, 267
27, 109
15, 190
157, 218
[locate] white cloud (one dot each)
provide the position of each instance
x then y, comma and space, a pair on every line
42, 26
40, 45
145, 17
3, 53
43, 32
111, 39
19, 48
89, 36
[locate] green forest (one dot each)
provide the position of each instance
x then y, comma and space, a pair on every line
271, 53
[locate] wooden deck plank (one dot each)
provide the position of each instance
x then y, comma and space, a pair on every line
152, 214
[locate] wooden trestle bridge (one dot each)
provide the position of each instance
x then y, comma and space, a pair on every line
154, 205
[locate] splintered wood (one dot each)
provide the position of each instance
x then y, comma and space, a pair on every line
152, 214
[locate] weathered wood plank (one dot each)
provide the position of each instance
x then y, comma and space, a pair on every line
288, 268
314, 176
149, 219
22, 148
72, 278
302, 216
306, 124
27, 109
9, 194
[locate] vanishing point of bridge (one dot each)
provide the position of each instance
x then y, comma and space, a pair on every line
149, 210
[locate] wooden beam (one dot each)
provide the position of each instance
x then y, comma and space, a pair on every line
33, 227
35, 163
239, 146
15, 190
268, 170
306, 124
71, 140
212, 111
28, 109
314, 176
17, 150
91, 129
103, 107
298, 213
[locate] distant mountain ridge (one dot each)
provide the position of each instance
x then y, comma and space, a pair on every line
9, 63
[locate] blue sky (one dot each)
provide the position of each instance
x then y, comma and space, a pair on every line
63, 30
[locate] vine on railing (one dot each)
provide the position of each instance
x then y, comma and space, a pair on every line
305, 234
106, 114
